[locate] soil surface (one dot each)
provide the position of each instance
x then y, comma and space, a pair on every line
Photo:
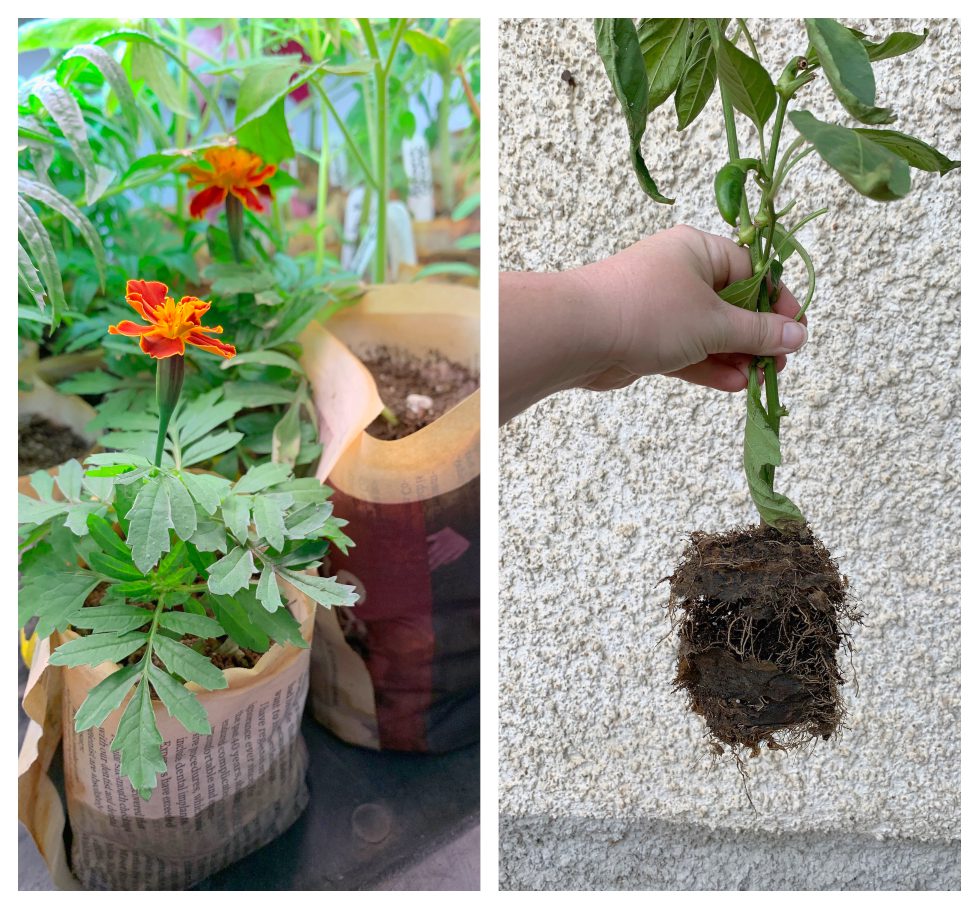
42, 444
762, 614
220, 652
416, 390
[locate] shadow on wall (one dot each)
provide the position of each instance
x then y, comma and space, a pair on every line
541, 853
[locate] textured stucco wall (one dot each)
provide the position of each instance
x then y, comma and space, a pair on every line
599, 492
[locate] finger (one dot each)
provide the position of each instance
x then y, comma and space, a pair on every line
712, 374
787, 304
728, 261
762, 334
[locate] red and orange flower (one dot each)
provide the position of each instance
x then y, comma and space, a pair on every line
171, 325
229, 170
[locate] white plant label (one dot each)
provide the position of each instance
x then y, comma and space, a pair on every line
401, 239
417, 160
351, 225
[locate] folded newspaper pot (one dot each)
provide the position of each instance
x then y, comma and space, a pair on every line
223, 795
401, 669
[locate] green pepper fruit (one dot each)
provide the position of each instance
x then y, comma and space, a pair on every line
729, 191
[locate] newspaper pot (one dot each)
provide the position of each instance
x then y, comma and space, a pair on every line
223, 796
69, 411
401, 669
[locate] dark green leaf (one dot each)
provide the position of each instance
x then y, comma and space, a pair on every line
869, 168
268, 590
698, 78
747, 83
893, 45
917, 153
105, 535
189, 664
260, 113
663, 44
115, 568
743, 293
106, 697
94, 649
236, 622
762, 453
59, 34
848, 69
181, 704
618, 46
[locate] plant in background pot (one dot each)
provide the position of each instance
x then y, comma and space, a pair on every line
179, 608
763, 611
401, 451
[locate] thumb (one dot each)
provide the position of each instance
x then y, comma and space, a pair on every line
759, 333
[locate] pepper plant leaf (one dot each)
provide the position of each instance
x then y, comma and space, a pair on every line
871, 169
663, 44
763, 453
618, 46
917, 153
893, 45
747, 82
698, 78
847, 66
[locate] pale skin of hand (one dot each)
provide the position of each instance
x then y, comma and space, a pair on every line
650, 309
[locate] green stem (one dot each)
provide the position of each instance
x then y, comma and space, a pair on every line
380, 151
179, 120
322, 186
351, 144
445, 146
236, 223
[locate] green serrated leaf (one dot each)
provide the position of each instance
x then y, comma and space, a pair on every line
186, 623
210, 447
105, 697
94, 649
53, 597
181, 704
40, 247
115, 568
149, 524
105, 535
138, 742
268, 590
113, 74
325, 591
262, 476
232, 573
235, 510
189, 664
112, 618
236, 622
847, 66
183, 513
207, 490
268, 512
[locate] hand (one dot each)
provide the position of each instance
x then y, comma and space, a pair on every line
658, 303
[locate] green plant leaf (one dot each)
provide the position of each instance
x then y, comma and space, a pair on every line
698, 78
847, 66
40, 247
114, 618
210, 447
150, 65
183, 514
325, 591
113, 74
53, 199
893, 45
618, 46
187, 623
265, 358
260, 112
747, 83
59, 34
917, 153
743, 293
262, 476
64, 110
181, 704
235, 510
268, 590
69, 480
268, 512
53, 597
105, 697
231, 573
434, 49
138, 742
207, 490
94, 649
762, 453
663, 44
189, 664
871, 169
29, 276
114, 568
287, 436
307, 520
236, 622
149, 524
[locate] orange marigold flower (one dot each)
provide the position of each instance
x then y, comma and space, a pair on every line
229, 170
172, 325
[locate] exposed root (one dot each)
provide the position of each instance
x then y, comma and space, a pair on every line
761, 615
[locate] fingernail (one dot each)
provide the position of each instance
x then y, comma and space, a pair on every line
793, 335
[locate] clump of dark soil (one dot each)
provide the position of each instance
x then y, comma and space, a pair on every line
762, 615
42, 444
415, 390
